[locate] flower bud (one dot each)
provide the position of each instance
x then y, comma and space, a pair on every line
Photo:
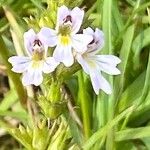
40, 136
54, 94
49, 109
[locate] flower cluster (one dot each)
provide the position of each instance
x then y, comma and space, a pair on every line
70, 46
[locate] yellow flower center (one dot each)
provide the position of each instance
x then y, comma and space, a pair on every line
65, 40
37, 56
90, 62
65, 29
36, 64
64, 34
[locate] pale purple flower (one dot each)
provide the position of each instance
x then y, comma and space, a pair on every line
93, 63
37, 62
65, 37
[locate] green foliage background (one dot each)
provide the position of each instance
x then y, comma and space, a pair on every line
89, 122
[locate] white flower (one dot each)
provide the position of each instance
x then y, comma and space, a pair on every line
65, 36
37, 61
93, 64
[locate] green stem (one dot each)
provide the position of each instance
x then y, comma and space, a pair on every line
107, 17
14, 77
107, 25
103, 131
147, 83
84, 106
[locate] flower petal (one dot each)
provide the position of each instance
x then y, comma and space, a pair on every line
99, 38
64, 54
58, 53
107, 63
83, 63
80, 42
49, 65
16, 60
20, 68
89, 31
105, 86
77, 15
62, 13
29, 38
19, 63
38, 77
26, 79
68, 59
48, 36
112, 70
99, 82
110, 59
32, 77
95, 79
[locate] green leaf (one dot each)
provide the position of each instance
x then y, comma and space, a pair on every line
134, 133
146, 141
124, 54
117, 16
132, 93
103, 131
142, 112
83, 98
37, 3
126, 145
9, 99
19, 115
106, 25
16, 30
142, 40
13, 76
